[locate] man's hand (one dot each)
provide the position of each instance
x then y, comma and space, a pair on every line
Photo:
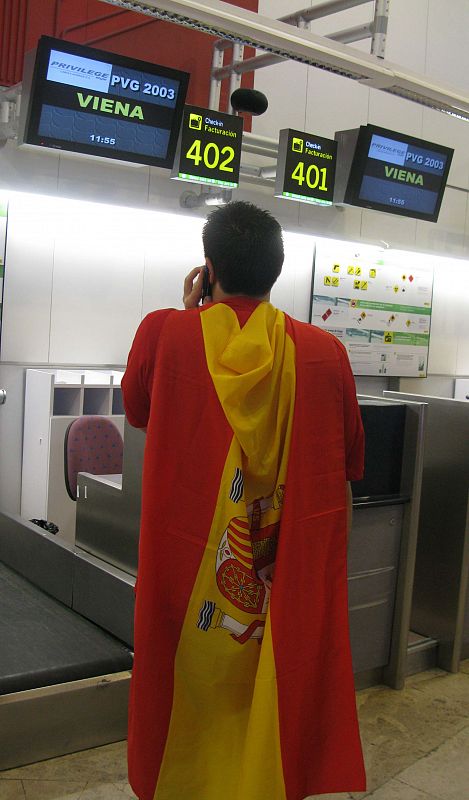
193, 285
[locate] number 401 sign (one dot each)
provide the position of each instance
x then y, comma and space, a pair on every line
209, 148
305, 167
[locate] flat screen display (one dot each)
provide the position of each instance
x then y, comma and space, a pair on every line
98, 103
397, 173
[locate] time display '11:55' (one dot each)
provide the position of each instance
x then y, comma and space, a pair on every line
95, 137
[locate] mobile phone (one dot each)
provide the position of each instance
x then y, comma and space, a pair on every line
206, 288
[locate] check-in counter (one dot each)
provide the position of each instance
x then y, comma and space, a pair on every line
382, 542
440, 606
108, 508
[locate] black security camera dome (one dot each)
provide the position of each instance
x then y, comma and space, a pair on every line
250, 101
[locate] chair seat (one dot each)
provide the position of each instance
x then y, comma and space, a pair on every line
92, 444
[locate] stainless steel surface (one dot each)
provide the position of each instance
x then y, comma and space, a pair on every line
421, 657
3, 396
411, 482
461, 639
371, 609
108, 519
105, 595
375, 539
442, 557
372, 569
44, 559
395, 670
370, 677
90, 586
50, 722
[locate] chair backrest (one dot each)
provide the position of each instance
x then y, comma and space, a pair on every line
92, 444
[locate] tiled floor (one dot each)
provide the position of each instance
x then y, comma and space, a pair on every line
416, 745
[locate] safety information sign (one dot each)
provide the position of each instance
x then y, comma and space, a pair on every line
378, 308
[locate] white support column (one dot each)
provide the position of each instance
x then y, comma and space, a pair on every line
235, 77
215, 84
380, 28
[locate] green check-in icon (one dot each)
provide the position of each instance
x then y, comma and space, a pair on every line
195, 122
297, 145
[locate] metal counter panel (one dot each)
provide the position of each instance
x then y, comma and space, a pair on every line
375, 538
108, 518
442, 558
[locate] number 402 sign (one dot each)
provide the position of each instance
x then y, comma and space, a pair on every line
209, 148
305, 167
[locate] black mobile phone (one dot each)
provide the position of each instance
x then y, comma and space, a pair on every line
206, 288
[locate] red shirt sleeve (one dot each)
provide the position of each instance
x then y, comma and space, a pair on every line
353, 427
138, 378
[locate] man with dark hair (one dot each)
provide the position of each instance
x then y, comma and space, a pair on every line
245, 249
242, 685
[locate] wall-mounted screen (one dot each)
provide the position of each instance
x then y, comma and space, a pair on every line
305, 167
209, 148
394, 172
89, 101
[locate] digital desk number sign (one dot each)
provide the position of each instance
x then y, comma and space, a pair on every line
209, 148
305, 167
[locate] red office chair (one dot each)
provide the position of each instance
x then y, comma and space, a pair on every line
92, 444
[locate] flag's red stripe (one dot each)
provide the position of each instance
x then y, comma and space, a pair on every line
243, 529
243, 548
309, 614
170, 557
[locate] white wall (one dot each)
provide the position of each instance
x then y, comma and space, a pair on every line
81, 274
425, 36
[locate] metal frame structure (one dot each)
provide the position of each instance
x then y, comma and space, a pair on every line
375, 30
284, 39
279, 38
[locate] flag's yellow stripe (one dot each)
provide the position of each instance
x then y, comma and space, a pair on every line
241, 544
213, 683
246, 564
262, 742
240, 527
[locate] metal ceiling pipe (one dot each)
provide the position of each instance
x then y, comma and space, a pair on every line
321, 10
349, 35
245, 27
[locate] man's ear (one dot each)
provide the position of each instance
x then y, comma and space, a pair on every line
211, 271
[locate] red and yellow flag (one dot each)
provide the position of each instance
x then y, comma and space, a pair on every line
242, 687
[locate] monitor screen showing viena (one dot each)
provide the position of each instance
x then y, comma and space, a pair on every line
397, 173
97, 103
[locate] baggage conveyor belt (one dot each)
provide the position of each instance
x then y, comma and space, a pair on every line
65, 647
44, 643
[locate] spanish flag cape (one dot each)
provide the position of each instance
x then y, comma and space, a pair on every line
242, 687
